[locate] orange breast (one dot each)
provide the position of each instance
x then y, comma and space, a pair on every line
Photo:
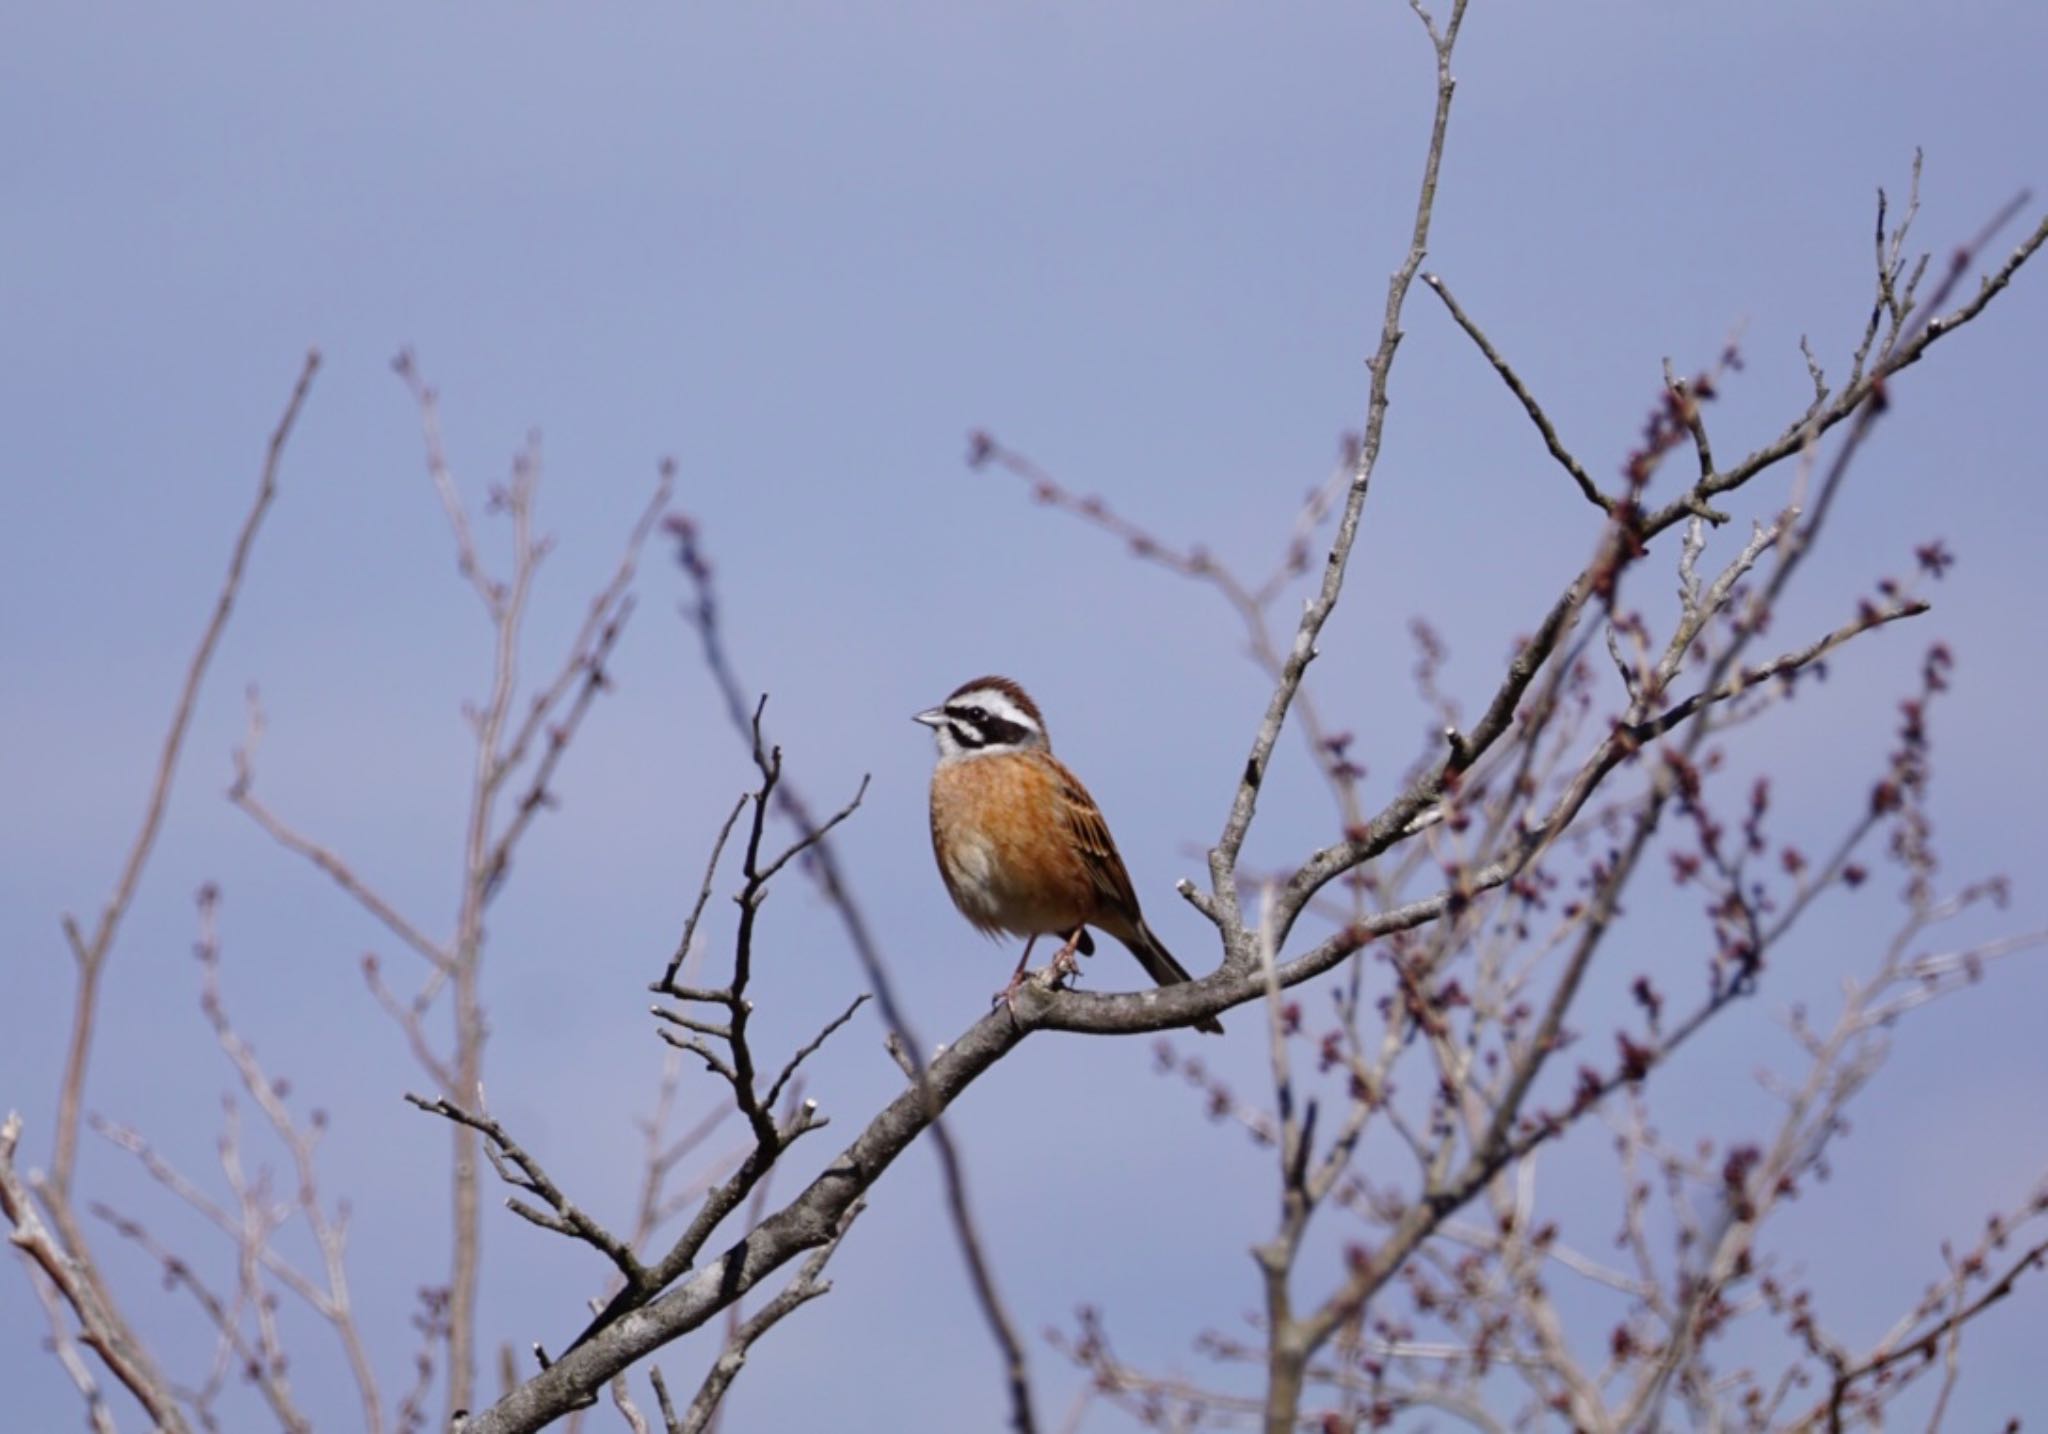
1001, 849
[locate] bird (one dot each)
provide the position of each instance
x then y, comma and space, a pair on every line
1021, 846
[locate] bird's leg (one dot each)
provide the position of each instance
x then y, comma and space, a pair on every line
1009, 992
1064, 963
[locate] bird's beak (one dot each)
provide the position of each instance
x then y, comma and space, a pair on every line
934, 717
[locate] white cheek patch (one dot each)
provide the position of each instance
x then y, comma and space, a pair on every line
952, 749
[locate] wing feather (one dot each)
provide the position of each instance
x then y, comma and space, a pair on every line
1090, 836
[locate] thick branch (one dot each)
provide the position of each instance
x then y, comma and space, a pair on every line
807, 1222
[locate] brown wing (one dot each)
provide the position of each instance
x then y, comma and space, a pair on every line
1090, 836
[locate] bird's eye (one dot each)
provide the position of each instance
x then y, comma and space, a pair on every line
977, 715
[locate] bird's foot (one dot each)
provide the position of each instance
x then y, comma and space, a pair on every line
1007, 997
1064, 966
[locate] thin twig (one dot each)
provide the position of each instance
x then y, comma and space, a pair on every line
242, 794
1520, 390
91, 954
568, 1218
329, 1234
97, 1414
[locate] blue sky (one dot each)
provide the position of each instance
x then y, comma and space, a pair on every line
804, 248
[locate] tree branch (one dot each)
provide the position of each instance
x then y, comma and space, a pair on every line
567, 1219
91, 954
1520, 390
101, 1328
825, 871
807, 1286
1223, 857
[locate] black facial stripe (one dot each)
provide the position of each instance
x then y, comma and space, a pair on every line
1005, 732
985, 727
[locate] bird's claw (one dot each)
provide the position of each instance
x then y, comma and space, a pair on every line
1007, 997
1064, 966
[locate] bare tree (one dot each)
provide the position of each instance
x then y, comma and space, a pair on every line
1419, 974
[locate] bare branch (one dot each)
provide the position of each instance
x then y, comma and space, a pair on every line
242, 795
1327, 748
1784, 665
262, 1362
1520, 390
1223, 857
100, 1327
567, 1219
810, 1048
329, 1234
63, 1254
669, 1422
1911, 345
596, 637
807, 1286
538, 794
66, 1348
177, 1183
688, 942
91, 954
1948, 1330
811, 838
407, 1017
467, 562
825, 872
503, 748
623, 1399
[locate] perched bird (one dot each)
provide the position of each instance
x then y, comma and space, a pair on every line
1020, 842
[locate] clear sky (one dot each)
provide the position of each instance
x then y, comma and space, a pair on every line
804, 248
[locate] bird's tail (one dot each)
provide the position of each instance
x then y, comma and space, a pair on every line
1162, 968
